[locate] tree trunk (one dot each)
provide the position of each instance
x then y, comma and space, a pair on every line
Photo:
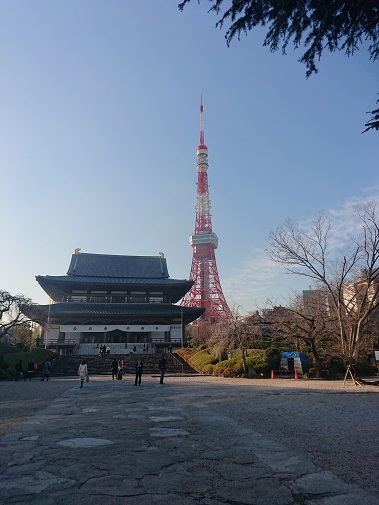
316, 358
244, 365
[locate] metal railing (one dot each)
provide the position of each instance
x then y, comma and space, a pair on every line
176, 362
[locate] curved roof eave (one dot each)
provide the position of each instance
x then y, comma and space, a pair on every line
56, 286
56, 311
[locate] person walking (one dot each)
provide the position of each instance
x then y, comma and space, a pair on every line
139, 371
162, 367
83, 372
46, 370
114, 368
120, 369
18, 368
30, 370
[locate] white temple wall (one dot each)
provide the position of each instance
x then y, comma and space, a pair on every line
72, 334
158, 336
51, 334
72, 337
84, 328
176, 333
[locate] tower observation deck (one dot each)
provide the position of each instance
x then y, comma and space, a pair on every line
206, 290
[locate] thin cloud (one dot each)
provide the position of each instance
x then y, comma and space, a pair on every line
345, 223
258, 278
253, 282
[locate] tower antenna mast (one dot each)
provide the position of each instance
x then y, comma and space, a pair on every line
201, 121
206, 290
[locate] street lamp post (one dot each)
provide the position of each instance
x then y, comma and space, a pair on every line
48, 323
181, 326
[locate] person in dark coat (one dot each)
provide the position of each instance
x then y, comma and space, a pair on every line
114, 368
46, 370
162, 367
139, 371
30, 370
18, 368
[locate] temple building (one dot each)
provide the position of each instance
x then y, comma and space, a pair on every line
120, 301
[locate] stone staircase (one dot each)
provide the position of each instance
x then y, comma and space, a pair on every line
115, 349
100, 365
184, 366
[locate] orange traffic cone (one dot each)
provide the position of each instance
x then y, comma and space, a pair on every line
272, 374
296, 375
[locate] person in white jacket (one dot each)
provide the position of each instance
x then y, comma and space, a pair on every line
82, 372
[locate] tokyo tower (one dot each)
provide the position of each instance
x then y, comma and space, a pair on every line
206, 290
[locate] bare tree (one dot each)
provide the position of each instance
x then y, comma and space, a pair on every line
26, 334
11, 314
238, 333
351, 279
307, 319
200, 333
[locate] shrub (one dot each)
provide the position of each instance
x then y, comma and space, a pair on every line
256, 360
260, 361
229, 368
208, 368
273, 356
21, 347
201, 359
365, 368
336, 365
4, 375
218, 371
38, 355
185, 353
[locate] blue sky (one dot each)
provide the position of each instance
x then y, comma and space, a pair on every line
99, 124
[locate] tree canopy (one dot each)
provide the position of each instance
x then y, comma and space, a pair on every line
11, 314
341, 25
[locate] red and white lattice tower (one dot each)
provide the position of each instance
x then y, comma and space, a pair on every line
206, 291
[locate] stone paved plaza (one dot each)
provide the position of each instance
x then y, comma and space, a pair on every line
192, 440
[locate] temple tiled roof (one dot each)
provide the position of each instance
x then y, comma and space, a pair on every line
105, 271
111, 266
